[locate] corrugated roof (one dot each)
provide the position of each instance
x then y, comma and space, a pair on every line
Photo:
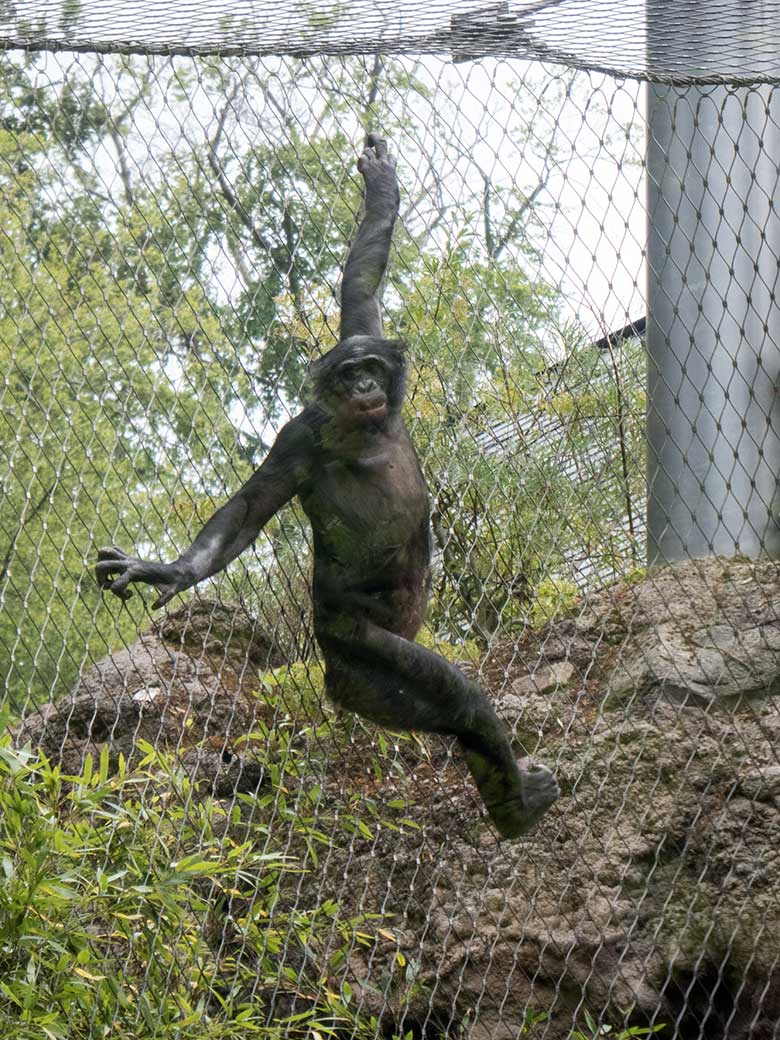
585, 451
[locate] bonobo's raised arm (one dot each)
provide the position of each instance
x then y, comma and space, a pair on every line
229, 531
361, 313
236, 525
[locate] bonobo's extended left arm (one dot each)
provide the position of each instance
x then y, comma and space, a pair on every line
229, 531
361, 313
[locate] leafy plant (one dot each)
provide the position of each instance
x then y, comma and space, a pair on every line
133, 909
597, 1030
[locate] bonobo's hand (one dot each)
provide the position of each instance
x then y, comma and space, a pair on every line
378, 169
115, 570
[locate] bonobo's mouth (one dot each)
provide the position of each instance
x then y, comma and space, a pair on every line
372, 407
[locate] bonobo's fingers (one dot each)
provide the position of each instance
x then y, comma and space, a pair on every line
111, 561
379, 145
111, 551
115, 570
376, 158
165, 598
119, 587
365, 161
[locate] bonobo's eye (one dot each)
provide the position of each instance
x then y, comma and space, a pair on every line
351, 372
348, 372
375, 369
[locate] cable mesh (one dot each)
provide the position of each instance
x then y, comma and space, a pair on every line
653, 39
210, 850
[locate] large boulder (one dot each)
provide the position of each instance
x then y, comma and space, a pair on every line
187, 685
651, 892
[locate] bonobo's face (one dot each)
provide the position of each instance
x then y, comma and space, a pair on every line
362, 386
361, 381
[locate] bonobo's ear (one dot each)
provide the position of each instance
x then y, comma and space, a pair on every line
397, 344
320, 373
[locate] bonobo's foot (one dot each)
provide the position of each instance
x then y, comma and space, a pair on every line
517, 815
515, 803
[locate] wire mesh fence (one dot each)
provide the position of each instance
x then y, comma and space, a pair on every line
655, 39
193, 841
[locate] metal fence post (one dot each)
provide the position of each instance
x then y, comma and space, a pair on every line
713, 331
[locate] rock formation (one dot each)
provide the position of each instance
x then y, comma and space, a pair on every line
187, 685
650, 893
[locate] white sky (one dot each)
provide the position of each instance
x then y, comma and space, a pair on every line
591, 217
593, 212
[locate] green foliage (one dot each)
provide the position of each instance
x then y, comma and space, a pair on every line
567, 485
554, 598
596, 1030
300, 684
131, 908
536, 1024
304, 733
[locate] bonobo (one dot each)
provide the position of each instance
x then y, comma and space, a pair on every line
349, 459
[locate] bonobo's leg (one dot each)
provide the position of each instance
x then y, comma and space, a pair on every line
400, 684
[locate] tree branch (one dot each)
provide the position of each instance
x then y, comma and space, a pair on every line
293, 278
23, 521
373, 90
124, 168
227, 192
519, 216
490, 241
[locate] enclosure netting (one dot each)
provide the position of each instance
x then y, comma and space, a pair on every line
720, 40
193, 843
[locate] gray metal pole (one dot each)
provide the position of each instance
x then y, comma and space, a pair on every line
713, 329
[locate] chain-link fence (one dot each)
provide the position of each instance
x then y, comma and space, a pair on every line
193, 842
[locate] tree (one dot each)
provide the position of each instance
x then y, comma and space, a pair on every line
174, 236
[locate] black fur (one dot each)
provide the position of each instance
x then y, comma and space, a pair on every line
349, 459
